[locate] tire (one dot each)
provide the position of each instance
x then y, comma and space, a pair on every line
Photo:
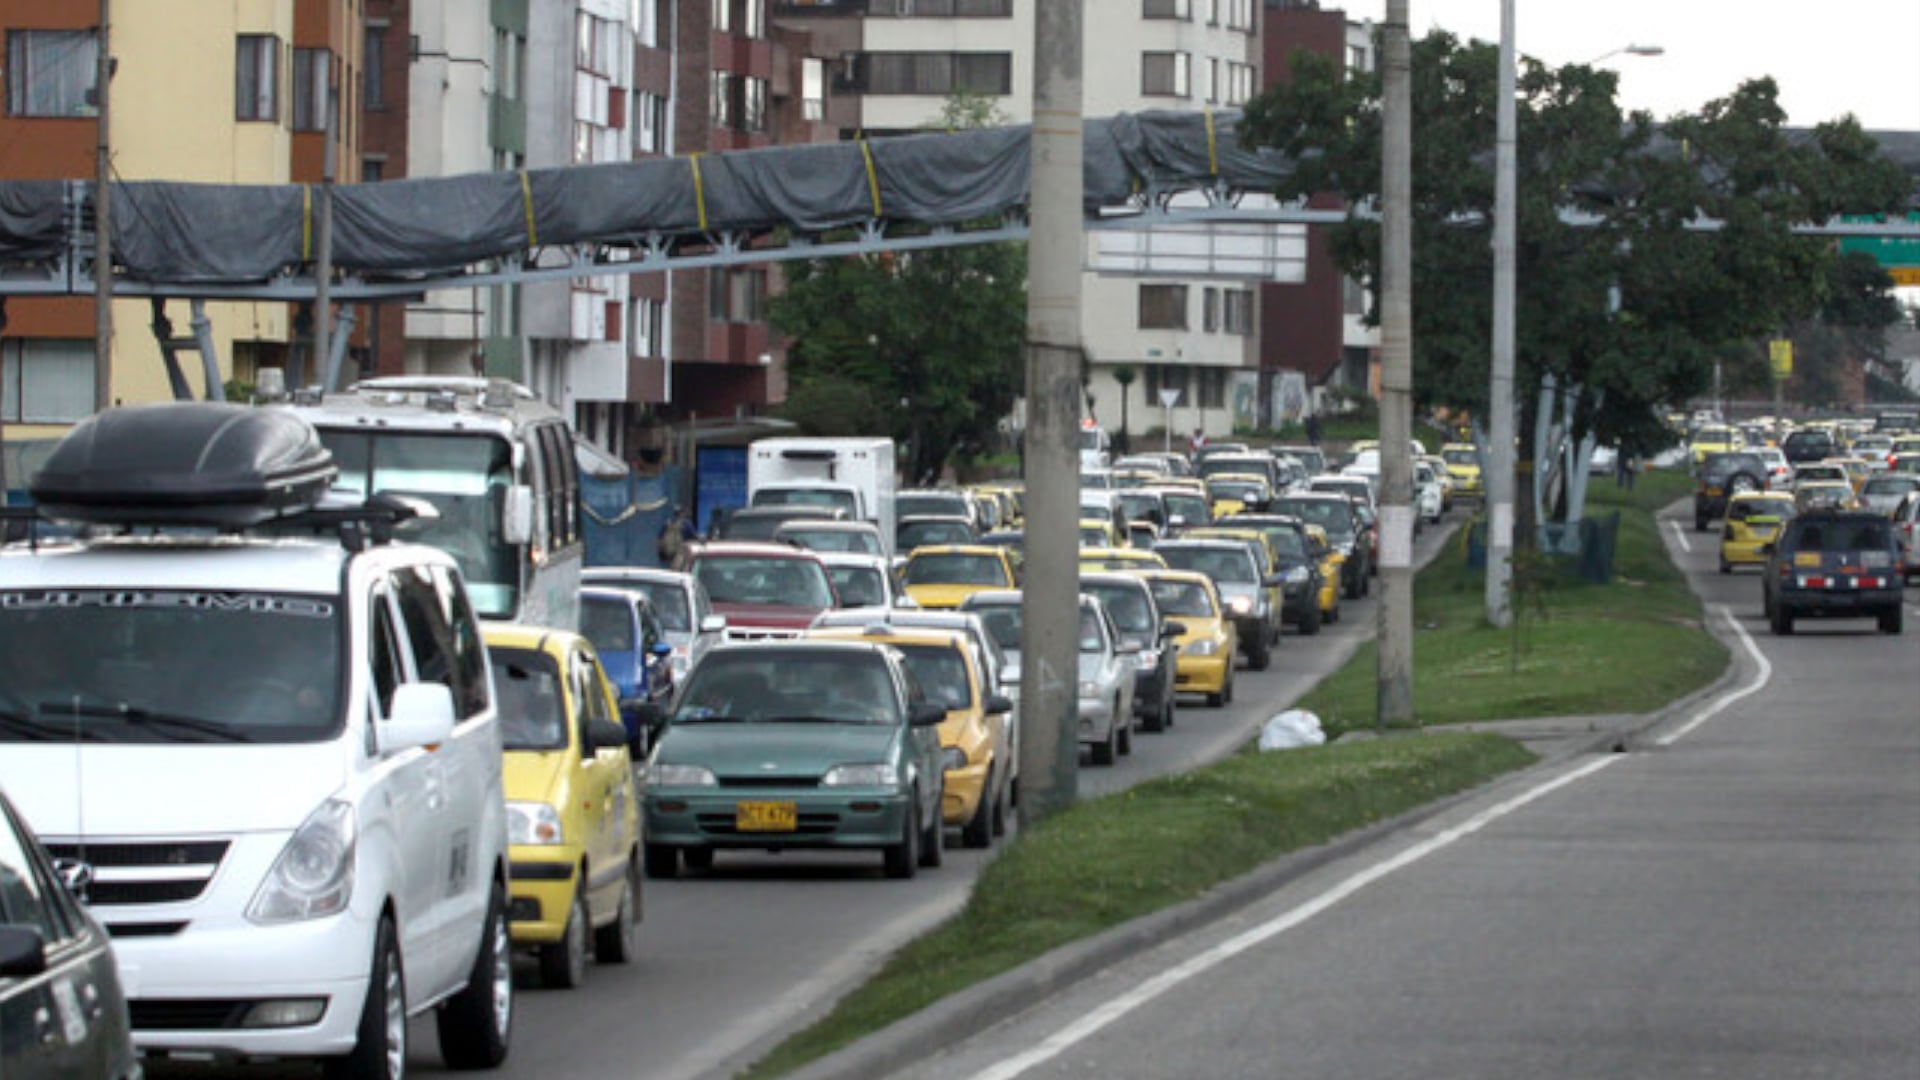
1000, 809
1333, 616
1699, 522
1351, 587
1890, 620
933, 839
1214, 701
698, 858
1260, 656
1103, 751
978, 831
901, 860
1726, 567
1167, 707
618, 942
1123, 739
1740, 482
563, 964
380, 1048
1310, 622
1781, 621
663, 861
1226, 692
476, 1024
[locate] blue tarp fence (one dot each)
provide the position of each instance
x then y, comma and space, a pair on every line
624, 517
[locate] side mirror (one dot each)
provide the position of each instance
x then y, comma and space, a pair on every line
605, 735
926, 714
1172, 630
422, 715
22, 952
516, 515
998, 704
713, 624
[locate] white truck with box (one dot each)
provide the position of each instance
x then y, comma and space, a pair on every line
853, 475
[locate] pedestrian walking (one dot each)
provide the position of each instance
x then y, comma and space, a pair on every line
1313, 428
674, 537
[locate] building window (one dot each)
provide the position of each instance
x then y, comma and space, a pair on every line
1353, 296
1239, 311
51, 72
649, 123
1165, 74
723, 16
1210, 309
813, 88
1167, 377
1167, 9
1213, 79
1240, 15
582, 142
1239, 83
942, 9
256, 87
934, 73
1213, 12
649, 26
753, 103
312, 69
753, 18
509, 63
737, 296
46, 380
373, 170
1163, 307
723, 93
1213, 387
647, 317
1356, 58
373, 63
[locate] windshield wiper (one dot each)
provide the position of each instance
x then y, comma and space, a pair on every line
798, 718
39, 731
134, 714
714, 718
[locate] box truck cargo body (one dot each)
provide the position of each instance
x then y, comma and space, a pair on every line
854, 474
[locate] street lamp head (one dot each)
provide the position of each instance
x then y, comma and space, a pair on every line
1644, 50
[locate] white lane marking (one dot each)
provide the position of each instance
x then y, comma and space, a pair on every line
1680, 534
1066, 1038
1760, 680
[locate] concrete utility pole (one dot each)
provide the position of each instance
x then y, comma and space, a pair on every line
1049, 608
1499, 478
1395, 683
323, 261
102, 231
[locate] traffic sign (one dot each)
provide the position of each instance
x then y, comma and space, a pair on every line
1169, 396
1780, 352
1892, 252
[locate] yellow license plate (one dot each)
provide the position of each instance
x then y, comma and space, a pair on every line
1807, 558
765, 817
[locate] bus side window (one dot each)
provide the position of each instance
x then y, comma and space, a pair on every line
563, 486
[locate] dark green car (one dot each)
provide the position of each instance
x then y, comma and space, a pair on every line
797, 744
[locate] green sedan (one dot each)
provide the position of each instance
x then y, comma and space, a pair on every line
797, 744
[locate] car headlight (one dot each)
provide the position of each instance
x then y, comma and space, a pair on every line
1203, 647
1089, 688
669, 775
313, 877
952, 758
1147, 659
874, 775
1298, 575
534, 823
1240, 605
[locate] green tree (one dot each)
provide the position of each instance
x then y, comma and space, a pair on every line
1630, 304
924, 346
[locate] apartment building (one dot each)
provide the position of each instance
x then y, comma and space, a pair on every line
900, 60
237, 92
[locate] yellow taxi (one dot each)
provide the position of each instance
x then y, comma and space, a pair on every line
1009, 506
573, 814
1207, 642
1857, 470
975, 754
1232, 493
1713, 439
1463, 464
1099, 533
1753, 521
943, 575
1273, 568
1332, 563
1120, 558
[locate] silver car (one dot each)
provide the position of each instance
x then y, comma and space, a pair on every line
1106, 668
692, 626
1883, 493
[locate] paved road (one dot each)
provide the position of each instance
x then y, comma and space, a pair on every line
1738, 895
732, 962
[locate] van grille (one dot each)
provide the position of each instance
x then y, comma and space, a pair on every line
163, 872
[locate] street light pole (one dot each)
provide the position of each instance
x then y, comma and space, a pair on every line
103, 229
1395, 655
1499, 478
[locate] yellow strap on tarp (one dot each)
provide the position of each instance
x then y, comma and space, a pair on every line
1213, 157
873, 181
699, 193
306, 222
526, 204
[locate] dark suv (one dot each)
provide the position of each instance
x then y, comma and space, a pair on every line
1809, 444
1722, 476
1834, 564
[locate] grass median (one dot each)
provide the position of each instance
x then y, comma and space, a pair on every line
1628, 646
1109, 860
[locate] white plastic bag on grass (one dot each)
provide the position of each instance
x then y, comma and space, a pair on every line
1290, 729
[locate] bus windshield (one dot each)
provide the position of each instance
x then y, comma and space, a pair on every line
465, 477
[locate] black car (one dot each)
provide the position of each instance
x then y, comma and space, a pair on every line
1346, 531
61, 1004
1723, 475
1809, 444
1834, 564
1298, 566
1129, 600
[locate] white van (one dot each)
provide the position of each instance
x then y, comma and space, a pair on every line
261, 743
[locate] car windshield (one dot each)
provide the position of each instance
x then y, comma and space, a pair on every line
1191, 507
607, 621
164, 665
533, 712
942, 674
909, 505
1723, 465
1126, 604
858, 586
1843, 536
1240, 490
1183, 598
1891, 485
1714, 435
1003, 624
773, 685
1753, 508
756, 579
955, 569
858, 541
669, 603
1335, 517
931, 533
1220, 564
1289, 542
1460, 457
1137, 506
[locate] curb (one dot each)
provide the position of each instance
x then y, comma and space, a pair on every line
957, 1017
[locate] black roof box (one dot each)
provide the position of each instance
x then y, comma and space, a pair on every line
184, 463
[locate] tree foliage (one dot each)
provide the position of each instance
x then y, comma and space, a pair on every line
924, 346
1633, 302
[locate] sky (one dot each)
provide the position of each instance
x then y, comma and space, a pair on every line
1829, 58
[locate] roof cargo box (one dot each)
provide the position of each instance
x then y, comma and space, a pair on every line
184, 463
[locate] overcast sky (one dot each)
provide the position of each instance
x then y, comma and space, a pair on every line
1829, 58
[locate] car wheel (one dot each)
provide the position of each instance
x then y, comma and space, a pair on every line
1123, 739
1890, 620
1353, 581
1310, 622
1000, 809
1259, 656
1214, 701
1782, 622
698, 858
476, 1024
1333, 613
903, 858
563, 964
619, 941
978, 831
663, 861
1103, 751
1726, 567
1699, 522
1742, 482
933, 839
1167, 708
380, 1046
1226, 692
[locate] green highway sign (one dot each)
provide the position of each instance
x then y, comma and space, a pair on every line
1892, 252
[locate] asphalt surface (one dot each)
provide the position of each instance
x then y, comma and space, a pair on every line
1728, 888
